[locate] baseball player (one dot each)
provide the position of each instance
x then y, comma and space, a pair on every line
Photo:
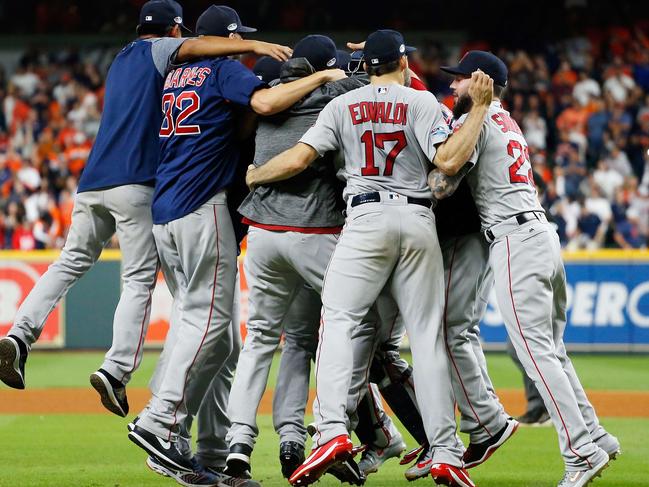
293, 231
192, 226
465, 255
114, 196
525, 258
390, 135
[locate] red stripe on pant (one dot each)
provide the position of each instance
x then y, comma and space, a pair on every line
317, 370
448, 349
209, 319
144, 320
520, 330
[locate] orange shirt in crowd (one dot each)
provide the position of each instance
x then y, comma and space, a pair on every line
66, 206
76, 157
565, 78
573, 120
66, 135
14, 162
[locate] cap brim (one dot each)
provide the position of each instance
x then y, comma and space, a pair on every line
243, 28
410, 49
454, 70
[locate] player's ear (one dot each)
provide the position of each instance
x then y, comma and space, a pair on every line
175, 31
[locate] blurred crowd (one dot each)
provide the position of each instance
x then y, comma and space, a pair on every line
583, 105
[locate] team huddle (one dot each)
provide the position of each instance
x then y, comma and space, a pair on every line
370, 210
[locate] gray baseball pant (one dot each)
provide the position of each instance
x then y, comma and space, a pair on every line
532, 396
207, 397
389, 243
277, 267
530, 285
466, 271
97, 215
292, 387
198, 253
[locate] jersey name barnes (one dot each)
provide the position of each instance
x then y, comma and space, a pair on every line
182, 77
378, 112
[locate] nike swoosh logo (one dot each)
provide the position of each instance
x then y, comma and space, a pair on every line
423, 464
164, 444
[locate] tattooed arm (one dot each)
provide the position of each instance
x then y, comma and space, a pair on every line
444, 186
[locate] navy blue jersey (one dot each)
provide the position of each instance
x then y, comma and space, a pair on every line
198, 148
126, 150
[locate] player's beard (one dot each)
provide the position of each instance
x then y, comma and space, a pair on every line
462, 106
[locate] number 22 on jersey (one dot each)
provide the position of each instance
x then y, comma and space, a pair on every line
521, 154
371, 140
188, 102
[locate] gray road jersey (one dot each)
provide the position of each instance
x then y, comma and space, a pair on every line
388, 135
501, 180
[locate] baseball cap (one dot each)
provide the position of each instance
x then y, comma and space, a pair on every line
319, 50
342, 59
484, 61
384, 46
162, 12
220, 20
267, 69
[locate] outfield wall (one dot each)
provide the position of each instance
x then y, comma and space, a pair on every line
608, 302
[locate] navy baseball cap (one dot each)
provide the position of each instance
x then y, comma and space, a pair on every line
162, 12
342, 59
384, 46
267, 69
485, 61
220, 20
319, 50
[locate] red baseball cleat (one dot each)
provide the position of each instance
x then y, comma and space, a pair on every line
445, 474
412, 455
323, 457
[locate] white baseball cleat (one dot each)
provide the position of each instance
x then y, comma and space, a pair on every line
581, 478
610, 445
373, 457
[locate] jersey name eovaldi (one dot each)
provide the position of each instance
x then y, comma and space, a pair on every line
388, 136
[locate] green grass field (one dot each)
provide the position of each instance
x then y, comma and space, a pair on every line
92, 450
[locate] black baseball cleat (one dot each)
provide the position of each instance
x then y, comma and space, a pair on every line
238, 462
132, 424
291, 456
13, 355
199, 477
111, 391
165, 451
348, 472
478, 453
535, 417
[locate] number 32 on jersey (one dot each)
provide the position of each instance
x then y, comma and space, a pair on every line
188, 102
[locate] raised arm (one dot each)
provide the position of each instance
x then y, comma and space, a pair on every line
457, 149
212, 46
273, 100
283, 166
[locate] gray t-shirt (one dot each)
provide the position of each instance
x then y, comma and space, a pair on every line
163, 52
310, 199
501, 180
388, 135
